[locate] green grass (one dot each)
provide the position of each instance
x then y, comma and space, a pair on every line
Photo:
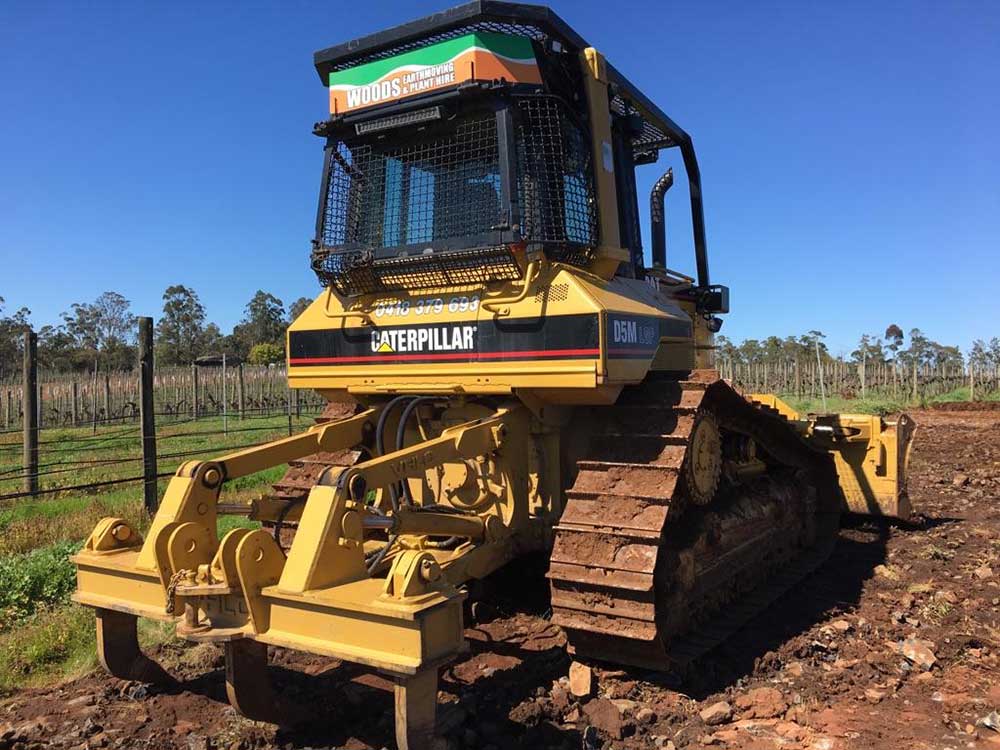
43, 637
51, 645
26, 524
882, 405
58, 643
75, 456
33, 580
962, 394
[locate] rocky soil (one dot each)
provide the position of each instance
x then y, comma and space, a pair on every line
893, 643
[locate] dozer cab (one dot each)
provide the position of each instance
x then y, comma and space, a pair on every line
505, 374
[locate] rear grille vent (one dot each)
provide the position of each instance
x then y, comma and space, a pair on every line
555, 293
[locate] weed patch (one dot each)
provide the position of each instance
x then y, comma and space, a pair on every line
54, 642
33, 580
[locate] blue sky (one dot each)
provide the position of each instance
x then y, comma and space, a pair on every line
849, 152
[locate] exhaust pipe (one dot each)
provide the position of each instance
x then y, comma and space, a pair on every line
657, 218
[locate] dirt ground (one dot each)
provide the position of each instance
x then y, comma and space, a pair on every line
893, 643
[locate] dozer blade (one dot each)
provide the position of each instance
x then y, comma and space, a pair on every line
871, 455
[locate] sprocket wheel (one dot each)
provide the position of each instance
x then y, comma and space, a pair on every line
703, 467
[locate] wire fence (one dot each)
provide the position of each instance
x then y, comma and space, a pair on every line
859, 379
190, 401
95, 399
126, 455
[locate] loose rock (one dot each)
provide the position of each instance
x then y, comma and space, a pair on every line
645, 716
762, 703
990, 721
603, 714
918, 652
581, 680
794, 669
790, 730
717, 713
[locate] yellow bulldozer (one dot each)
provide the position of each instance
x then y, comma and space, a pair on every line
505, 374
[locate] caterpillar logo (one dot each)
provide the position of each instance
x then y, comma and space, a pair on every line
457, 338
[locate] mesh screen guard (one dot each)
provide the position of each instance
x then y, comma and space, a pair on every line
416, 210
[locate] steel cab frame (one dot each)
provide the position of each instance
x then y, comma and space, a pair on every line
639, 128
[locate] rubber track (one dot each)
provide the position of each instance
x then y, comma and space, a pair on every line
603, 571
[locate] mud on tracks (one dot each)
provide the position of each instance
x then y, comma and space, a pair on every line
893, 642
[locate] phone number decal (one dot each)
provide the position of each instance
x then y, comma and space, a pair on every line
428, 306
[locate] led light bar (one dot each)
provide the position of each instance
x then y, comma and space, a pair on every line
398, 121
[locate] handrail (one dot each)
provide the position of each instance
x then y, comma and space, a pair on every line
529, 277
365, 317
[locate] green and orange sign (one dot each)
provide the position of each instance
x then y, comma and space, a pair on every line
481, 56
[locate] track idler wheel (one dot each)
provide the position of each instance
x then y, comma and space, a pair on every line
118, 649
703, 466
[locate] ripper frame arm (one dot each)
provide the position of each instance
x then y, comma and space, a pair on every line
193, 493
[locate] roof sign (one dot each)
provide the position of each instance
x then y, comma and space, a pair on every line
480, 56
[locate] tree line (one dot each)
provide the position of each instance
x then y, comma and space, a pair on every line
102, 334
893, 348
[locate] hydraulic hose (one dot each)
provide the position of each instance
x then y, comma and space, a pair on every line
383, 418
401, 435
279, 522
379, 442
377, 558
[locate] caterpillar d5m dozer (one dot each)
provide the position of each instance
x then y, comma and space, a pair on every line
505, 374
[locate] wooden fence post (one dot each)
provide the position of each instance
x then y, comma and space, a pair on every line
107, 398
225, 399
194, 391
75, 406
819, 365
146, 414
93, 399
864, 362
242, 399
29, 383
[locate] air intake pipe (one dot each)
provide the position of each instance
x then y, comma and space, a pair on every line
657, 218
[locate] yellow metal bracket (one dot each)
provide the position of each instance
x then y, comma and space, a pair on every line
182, 537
